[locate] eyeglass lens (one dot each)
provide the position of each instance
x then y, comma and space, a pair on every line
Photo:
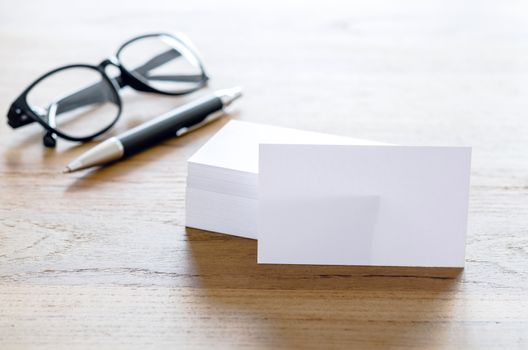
76, 101
162, 62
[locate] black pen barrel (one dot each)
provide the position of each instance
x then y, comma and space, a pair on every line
167, 125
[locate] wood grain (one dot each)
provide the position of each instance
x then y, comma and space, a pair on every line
103, 259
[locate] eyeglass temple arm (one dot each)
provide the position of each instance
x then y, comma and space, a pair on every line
157, 61
182, 78
87, 96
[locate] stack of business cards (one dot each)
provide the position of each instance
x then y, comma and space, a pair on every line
222, 180
313, 198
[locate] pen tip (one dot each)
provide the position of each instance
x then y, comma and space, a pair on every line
229, 95
66, 170
237, 91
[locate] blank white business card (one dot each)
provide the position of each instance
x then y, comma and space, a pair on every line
363, 205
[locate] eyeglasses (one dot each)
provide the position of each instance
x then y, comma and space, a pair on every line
79, 102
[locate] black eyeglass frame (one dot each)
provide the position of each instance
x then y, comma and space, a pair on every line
20, 113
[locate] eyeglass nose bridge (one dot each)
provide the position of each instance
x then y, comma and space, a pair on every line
111, 61
125, 78
120, 80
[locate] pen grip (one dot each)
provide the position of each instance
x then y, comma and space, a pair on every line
167, 125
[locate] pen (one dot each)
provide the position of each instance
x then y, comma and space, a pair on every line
174, 123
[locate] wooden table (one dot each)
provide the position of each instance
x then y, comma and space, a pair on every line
102, 259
